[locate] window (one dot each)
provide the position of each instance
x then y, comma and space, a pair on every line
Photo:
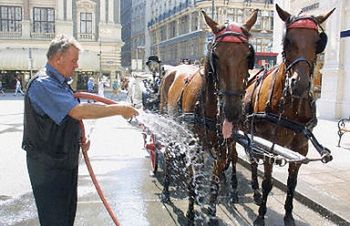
85, 23
10, 19
172, 29
184, 27
44, 20
194, 26
163, 33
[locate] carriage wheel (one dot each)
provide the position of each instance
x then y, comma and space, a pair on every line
154, 155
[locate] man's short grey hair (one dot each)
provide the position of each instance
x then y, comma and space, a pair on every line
60, 44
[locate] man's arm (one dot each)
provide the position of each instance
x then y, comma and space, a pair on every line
94, 111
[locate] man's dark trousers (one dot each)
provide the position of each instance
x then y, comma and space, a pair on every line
55, 192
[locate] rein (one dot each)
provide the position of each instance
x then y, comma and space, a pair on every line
279, 119
237, 37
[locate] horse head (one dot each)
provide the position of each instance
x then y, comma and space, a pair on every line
229, 59
302, 42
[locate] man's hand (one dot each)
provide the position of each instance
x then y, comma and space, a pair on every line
85, 146
129, 112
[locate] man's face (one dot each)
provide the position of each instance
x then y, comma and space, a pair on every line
68, 62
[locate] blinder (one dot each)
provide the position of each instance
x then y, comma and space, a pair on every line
309, 23
251, 56
321, 44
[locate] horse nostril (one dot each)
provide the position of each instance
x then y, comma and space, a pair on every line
232, 114
293, 81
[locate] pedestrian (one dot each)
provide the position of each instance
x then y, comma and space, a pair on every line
1, 88
102, 83
90, 86
51, 134
18, 87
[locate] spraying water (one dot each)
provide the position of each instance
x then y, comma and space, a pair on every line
183, 152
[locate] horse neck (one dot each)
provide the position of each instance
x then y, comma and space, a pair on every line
208, 97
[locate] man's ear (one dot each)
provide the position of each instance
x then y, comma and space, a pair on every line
59, 58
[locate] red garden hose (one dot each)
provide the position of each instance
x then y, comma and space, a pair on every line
85, 144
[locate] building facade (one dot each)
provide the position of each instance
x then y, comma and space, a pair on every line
138, 35
177, 29
126, 6
27, 27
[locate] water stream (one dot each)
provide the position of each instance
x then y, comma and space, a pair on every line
186, 155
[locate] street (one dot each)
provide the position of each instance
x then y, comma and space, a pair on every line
123, 169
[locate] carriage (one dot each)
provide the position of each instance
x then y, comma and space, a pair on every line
150, 103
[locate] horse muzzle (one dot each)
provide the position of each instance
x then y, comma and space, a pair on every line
299, 85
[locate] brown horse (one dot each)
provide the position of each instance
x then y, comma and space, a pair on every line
213, 99
173, 82
285, 95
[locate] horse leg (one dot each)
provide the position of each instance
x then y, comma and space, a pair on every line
191, 197
167, 174
255, 183
291, 185
300, 143
234, 182
266, 188
219, 166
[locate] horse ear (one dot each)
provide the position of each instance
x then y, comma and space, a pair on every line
251, 21
322, 18
284, 15
215, 28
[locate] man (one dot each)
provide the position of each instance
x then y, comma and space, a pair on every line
18, 87
1, 88
52, 134
90, 85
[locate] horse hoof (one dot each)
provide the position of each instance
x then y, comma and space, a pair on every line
234, 197
289, 220
257, 198
165, 198
259, 221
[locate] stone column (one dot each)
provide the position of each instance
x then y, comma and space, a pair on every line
26, 15
111, 11
60, 9
26, 21
102, 11
69, 9
329, 106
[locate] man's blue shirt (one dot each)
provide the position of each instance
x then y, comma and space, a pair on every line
51, 95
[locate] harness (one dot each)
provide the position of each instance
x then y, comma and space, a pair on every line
278, 118
232, 33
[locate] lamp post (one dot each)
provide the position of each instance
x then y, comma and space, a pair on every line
100, 58
137, 57
212, 8
30, 62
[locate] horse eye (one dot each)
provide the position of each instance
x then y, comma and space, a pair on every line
287, 42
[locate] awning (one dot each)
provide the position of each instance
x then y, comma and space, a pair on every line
19, 58
35, 58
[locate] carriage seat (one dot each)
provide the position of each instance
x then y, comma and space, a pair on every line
343, 127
